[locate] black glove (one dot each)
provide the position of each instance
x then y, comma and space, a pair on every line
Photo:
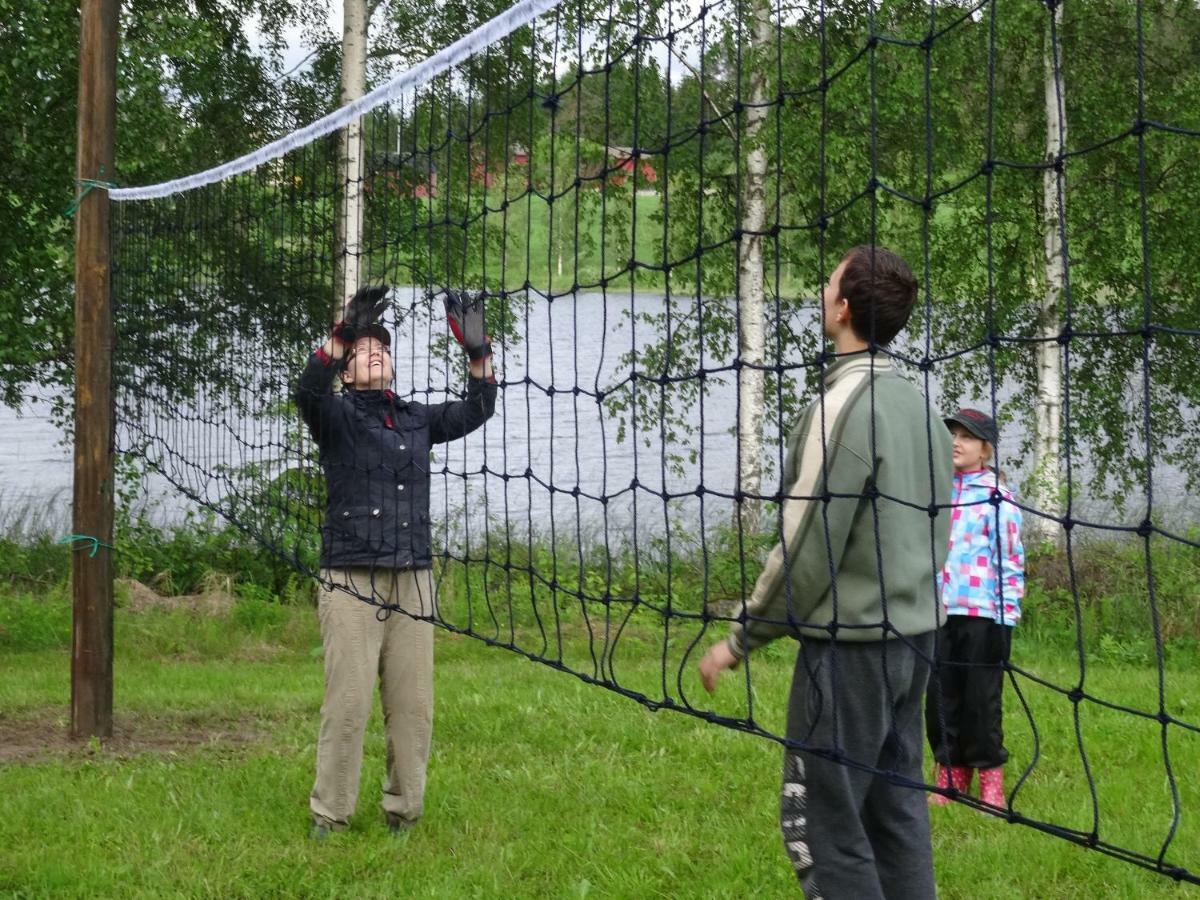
465, 315
362, 311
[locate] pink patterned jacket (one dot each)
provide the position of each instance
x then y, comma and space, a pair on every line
984, 574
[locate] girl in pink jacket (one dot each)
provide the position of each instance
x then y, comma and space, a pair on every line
982, 584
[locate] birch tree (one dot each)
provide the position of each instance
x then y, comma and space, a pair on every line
751, 307
356, 18
1045, 476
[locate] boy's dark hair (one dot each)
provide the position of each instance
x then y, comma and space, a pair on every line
880, 290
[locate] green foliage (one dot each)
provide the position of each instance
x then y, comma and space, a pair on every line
1112, 579
33, 562
31, 622
182, 560
191, 93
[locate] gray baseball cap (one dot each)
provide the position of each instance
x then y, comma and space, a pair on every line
977, 422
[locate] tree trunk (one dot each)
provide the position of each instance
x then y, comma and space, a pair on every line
348, 221
751, 306
1046, 473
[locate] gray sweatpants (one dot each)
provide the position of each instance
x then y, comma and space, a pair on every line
850, 834
364, 643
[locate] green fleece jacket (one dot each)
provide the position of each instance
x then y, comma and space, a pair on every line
871, 445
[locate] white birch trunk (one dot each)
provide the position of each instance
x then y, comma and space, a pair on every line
1046, 472
348, 222
751, 305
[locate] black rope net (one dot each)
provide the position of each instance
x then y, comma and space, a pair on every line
649, 198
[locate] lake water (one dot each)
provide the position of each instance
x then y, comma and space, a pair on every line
548, 440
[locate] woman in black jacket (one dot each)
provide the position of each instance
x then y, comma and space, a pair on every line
376, 545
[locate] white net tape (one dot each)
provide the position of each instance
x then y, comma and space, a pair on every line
516, 16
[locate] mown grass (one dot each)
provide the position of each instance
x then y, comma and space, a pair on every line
541, 785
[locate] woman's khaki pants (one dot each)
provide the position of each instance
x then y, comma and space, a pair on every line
363, 641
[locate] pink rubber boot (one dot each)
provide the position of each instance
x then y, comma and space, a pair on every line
958, 777
943, 782
991, 787
961, 778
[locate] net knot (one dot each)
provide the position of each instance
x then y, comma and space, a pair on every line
1140, 127
1075, 695
1145, 528
1064, 336
988, 167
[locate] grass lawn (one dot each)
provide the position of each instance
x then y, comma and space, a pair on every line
540, 785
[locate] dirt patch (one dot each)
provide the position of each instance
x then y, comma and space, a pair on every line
43, 735
218, 600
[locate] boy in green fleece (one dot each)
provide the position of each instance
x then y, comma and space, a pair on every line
863, 529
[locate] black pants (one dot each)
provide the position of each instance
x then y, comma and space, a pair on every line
852, 834
964, 717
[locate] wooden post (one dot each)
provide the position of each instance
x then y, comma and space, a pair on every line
92, 623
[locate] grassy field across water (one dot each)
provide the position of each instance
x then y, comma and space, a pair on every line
540, 785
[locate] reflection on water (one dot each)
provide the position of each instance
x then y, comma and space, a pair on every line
550, 459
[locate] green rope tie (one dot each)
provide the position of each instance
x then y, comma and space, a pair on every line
86, 539
88, 185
